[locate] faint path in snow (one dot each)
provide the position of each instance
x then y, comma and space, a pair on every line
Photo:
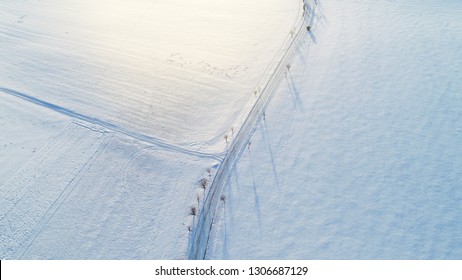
245, 124
206, 219
108, 125
37, 190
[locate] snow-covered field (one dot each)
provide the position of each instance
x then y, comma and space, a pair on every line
120, 199
113, 112
178, 71
359, 153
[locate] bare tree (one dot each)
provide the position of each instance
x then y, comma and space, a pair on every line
193, 213
204, 183
193, 210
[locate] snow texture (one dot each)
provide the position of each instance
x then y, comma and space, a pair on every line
178, 71
358, 155
113, 111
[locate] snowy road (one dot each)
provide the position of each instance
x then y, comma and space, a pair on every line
359, 154
151, 101
241, 140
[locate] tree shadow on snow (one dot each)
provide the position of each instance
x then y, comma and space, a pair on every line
256, 199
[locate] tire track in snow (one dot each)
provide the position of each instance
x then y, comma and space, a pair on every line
107, 125
38, 188
205, 222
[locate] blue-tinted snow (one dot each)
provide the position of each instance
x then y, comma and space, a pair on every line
360, 155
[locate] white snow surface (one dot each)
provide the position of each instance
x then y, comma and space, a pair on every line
178, 71
359, 154
138, 209
91, 193
111, 112
25, 129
